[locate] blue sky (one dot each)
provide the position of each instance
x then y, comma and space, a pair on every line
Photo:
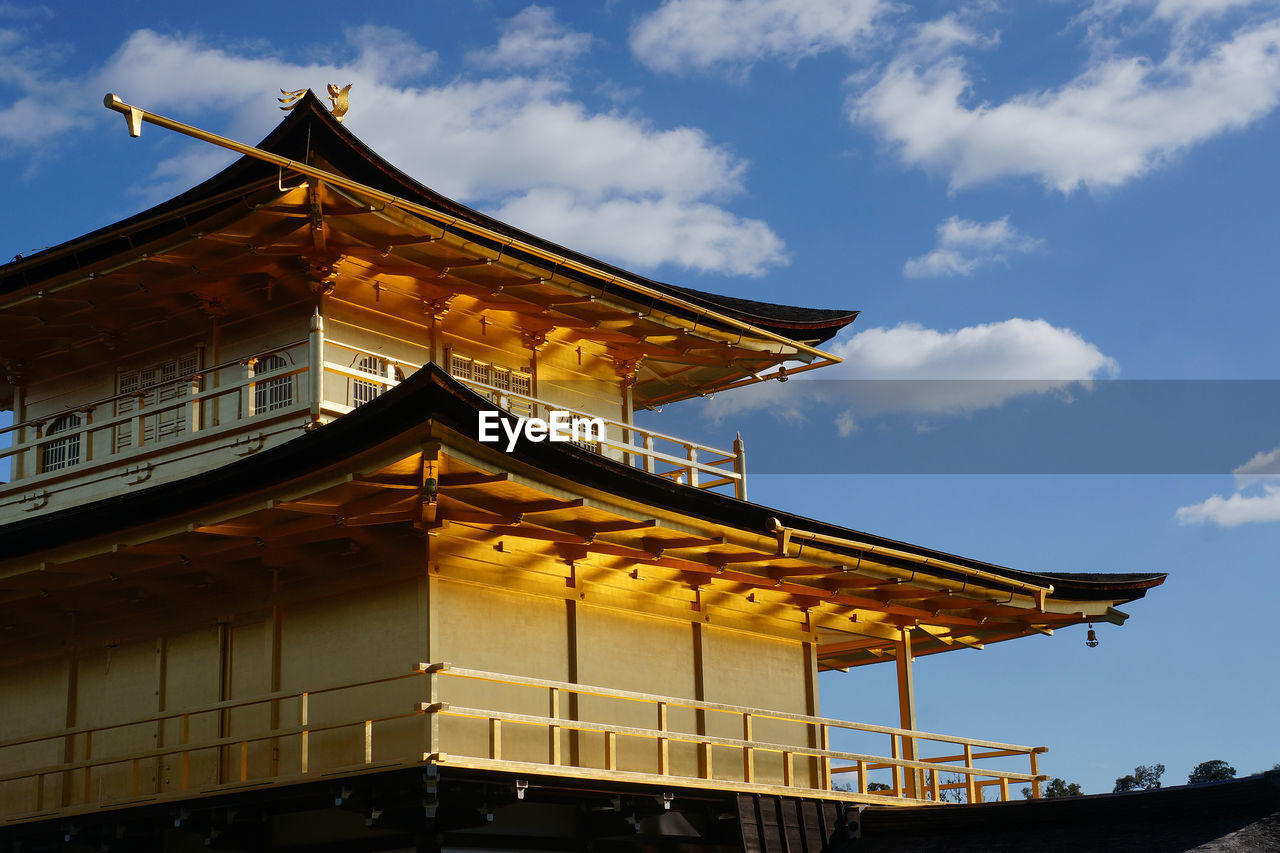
1051, 191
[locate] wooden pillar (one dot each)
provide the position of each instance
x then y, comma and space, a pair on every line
628, 417
18, 467
572, 634
705, 767
224, 693
70, 722
273, 634
429, 649
817, 767
315, 375
907, 707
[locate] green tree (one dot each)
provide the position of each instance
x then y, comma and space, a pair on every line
1216, 770
1145, 777
1055, 788
877, 786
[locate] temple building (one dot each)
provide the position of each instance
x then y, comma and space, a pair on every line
265, 582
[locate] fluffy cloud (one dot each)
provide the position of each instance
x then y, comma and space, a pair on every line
533, 39
1256, 499
696, 236
1014, 349
914, 369
965, 246
1119, 118
498, 142
732, 35
1235, 510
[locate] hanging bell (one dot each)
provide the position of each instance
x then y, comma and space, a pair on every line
1091, 639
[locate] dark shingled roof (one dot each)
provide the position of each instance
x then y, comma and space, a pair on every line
309, 133
432, 393
1237, 815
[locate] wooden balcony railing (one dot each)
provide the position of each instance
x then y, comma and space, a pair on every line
677, 459
235, 403
370, 726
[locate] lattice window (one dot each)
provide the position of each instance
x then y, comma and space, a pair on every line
274, 393
507, 382
362, 391
63, 452
151, 387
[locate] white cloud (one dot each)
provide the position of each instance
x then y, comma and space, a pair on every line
965, 246
496, 142
1182, 12
1261, 476
1235, 510
914, 369
645, 231
1015, 349
1263, 466
1119, 118
533, 39
732, 35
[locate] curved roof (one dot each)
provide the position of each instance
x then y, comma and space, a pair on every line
431, 394
310, 134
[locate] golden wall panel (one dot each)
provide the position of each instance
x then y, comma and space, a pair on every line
499, 631
349, 639
34, 699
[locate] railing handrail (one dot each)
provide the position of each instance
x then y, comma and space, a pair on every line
186, 377
226, 740
446, 668
149, 412
817, 749
715, 740
223, 705
610, 421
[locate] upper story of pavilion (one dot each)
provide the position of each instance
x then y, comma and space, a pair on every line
267, 301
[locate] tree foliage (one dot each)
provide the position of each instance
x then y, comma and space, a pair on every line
1145, 777
1216, 770
1055, 788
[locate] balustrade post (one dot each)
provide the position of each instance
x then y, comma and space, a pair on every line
610, 750
248, 391
88, 771
554, 731
692, 456
748, 754
1004, 789
664, 751
86, 436
970, 789
1035, 774
648, 456
315, 366
432, 732
862, 776
368, 741
195, 414
140, 422
186, 753
304, 737
824, 740
740, 468
897, 768
495, 739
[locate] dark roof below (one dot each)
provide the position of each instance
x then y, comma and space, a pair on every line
1237, 815
432, 393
